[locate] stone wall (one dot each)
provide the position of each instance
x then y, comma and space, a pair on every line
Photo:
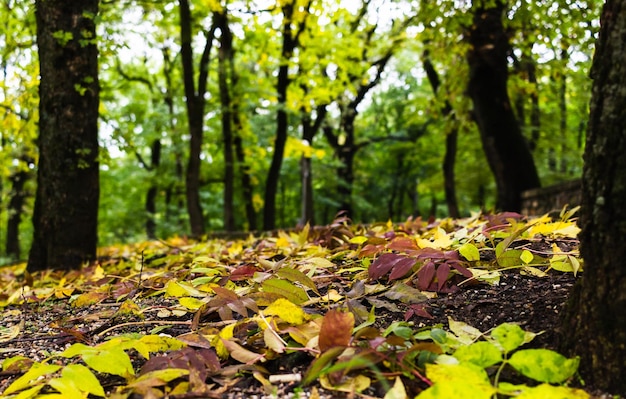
553, 198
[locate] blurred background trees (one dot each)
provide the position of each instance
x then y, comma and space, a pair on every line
238, 115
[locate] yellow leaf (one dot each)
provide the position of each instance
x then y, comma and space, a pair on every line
567, 229
358, 240
283, 242
190, 303
358, 383
526, 256
287, 311
397, 391
440, 240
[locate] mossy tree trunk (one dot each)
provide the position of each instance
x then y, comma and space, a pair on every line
66, 204
594, 325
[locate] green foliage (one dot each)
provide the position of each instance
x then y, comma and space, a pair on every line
462, 370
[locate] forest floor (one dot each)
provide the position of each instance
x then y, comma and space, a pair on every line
46, 322
533, 302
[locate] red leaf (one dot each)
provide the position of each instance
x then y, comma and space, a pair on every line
464, 271
443, 271
383, 264
403, 244
425, 276
418, 309
243, 272
401, 268
430, 253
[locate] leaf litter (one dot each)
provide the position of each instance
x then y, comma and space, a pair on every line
384, 310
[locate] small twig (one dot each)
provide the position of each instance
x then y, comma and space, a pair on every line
139, 323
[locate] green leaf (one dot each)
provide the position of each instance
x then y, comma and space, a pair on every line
482, 354
113, 361
319, 364
511, 336
83, 379
288, 290
527, 256
544, 365
296, 276
510, 258
28, 379
469, 252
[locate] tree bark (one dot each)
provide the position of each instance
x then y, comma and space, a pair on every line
505, 147
282, 125
195, 114
224, 64
66, 203
449, 158
594, 324
151, 195
17, 197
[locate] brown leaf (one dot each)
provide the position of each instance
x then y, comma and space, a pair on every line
336, 329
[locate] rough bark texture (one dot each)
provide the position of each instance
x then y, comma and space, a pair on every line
506, 149
66, 204
594, 327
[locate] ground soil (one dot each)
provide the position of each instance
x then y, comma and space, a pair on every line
536, 303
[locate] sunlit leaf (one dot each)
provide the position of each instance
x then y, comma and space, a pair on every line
37, 370
469, 252
511, 336
544, 365
482, 354
287, 311
546, 391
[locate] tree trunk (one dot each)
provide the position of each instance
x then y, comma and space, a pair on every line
594, 324
225, 56
273, 175
505, 147
195, 114
244, 170
309, 130
65, 218
155, 160
17, 197
449, 158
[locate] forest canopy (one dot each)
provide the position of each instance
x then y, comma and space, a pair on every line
303, 107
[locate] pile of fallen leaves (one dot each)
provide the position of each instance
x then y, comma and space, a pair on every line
287, 312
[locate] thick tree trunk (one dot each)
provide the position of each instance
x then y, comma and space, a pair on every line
594, 325
66, 203
505, 147
225, 57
